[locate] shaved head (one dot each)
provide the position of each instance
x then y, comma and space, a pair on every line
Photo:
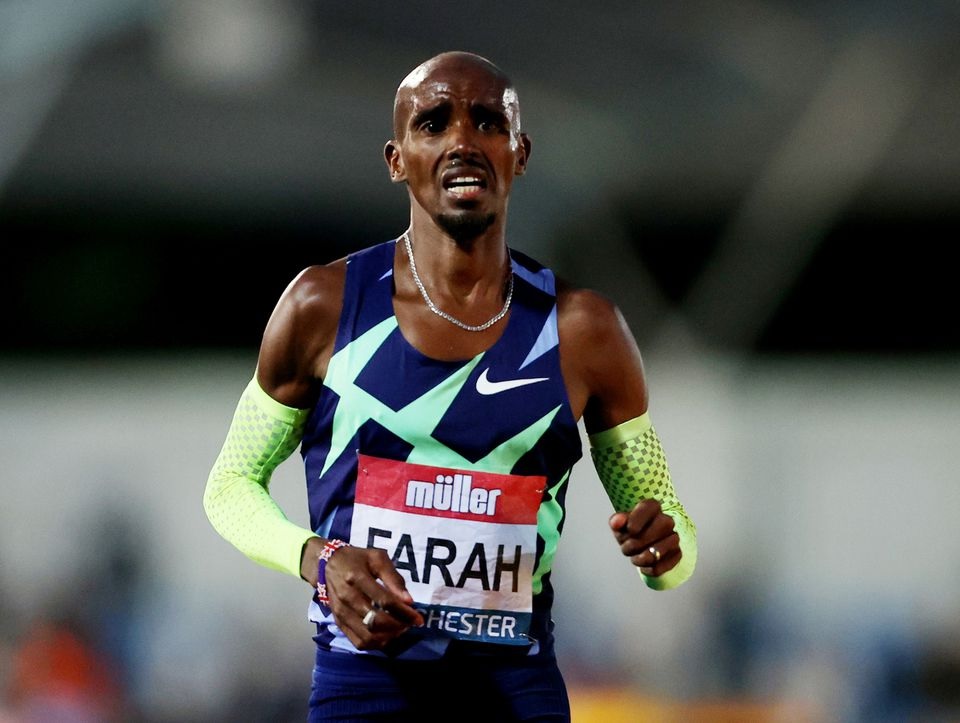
457, 142
449, 63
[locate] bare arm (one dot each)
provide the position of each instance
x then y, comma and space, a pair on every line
297, 345
601, 362
605, 380
300, 336
266, 428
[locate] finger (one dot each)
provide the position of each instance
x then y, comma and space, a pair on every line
655, 552
656, 568
618, 521
365, 624
632, 523
655, 534
354, 592
380, 623
391, 593
374, 634
401, 604
367, 592
642, 515
659, 557
363, 590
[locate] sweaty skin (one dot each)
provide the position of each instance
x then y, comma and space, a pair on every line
457, 147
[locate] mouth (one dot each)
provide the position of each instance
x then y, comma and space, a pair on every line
464, 185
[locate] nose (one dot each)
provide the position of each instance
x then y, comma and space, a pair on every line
462, 140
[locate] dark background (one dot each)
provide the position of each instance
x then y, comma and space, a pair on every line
777, 177
768, 189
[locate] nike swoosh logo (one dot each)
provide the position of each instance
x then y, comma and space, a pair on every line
486, 387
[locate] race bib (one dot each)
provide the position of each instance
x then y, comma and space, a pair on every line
464, 541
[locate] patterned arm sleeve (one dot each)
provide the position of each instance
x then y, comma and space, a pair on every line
237, 498
632, 466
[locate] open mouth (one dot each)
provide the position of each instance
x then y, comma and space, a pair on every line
464, 187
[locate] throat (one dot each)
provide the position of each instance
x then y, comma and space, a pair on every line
445, 313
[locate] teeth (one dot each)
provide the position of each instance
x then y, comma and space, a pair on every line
463, 190
465, 181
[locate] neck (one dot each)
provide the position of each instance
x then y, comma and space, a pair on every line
460, 267
474, 294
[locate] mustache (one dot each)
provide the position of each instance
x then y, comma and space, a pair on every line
467, 162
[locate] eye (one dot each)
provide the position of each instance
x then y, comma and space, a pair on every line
431, 126
488, 126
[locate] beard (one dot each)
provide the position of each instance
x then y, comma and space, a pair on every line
465, 227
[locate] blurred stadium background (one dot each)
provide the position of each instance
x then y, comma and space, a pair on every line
769, 190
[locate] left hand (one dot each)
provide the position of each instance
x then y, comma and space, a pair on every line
645, 527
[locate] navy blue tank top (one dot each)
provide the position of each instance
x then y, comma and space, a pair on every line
504, 411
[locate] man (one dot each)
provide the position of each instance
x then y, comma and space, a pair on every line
435, 383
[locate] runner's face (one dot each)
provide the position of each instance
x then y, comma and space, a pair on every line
459, 144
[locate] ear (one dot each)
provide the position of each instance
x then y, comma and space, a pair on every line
391, 154
523, 155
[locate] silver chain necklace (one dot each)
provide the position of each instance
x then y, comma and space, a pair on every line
440, 312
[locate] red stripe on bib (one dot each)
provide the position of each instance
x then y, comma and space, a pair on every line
448, 492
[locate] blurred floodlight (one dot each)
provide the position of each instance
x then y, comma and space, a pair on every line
230, 44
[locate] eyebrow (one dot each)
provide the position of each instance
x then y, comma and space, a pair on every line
479, 109
430, 112
485, 111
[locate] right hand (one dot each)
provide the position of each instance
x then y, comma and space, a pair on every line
358, 580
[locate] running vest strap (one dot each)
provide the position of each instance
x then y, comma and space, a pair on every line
632, 466
502, 416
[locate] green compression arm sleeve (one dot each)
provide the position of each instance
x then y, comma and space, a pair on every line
632, 466
237, 498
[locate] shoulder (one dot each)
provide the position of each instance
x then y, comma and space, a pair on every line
601, 362
301, 334
585, 314
317, 291
309, 308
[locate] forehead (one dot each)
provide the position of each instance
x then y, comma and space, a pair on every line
466, 83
